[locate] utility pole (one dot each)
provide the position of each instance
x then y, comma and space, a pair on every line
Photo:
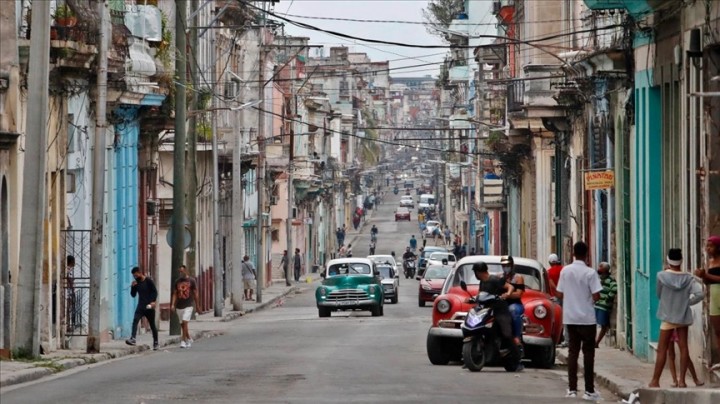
261, 169
27, 329
236, 286
192, 138
291, 202
98, 187
178, 216
219, 302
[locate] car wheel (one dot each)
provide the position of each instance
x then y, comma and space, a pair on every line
323, 312
437, 350
473, 353
394, 299
421, 303
376, 311
545, 358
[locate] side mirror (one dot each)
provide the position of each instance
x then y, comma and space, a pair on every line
463, 285
417, 278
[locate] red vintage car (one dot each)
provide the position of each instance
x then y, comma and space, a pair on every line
542, 322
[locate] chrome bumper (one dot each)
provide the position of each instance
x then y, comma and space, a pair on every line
348, 304
538, 341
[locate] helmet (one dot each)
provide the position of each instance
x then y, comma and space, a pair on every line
506, 260
553, 259
407, 248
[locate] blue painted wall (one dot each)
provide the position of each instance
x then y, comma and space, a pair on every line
124, 207
646, 170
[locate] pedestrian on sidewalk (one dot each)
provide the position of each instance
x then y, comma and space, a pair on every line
674, 339
184, 297
677, 291
554, 277
604, 306
447, 235
579, 286
297, 265
249, 275
711, 277
339, 236
286, 266
349, 251
147, 293
342, 252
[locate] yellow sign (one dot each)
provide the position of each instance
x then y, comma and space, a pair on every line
599, 180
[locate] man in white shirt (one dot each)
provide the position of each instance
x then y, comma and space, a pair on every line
580, 287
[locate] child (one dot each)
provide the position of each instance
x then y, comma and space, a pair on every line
671, 357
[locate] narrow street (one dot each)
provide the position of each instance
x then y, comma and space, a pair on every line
288, 354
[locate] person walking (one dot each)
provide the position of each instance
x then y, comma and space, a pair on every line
249, 275
349, 250
339, 236
286, 266
604, 306
147, 293
184, 297
579, 287
677, 291
554, 277
297, 265
342, 252
711, 277
448, 233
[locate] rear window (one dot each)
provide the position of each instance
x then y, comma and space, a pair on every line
386, 272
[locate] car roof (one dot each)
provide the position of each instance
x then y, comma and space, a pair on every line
448, 253
433, 221
401, 209
380, 256
495, 259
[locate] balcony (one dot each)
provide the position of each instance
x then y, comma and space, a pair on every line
493, 196
636, 8
515, 96
459, 74
233, 13
491, 54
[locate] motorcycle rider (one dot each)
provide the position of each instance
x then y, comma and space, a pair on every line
407, 256
413, 243
514, 303
498, 287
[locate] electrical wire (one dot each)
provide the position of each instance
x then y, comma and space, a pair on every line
414, 22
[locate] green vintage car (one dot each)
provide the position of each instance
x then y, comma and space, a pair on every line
350, 284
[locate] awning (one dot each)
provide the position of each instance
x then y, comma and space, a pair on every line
461, 216
250, 222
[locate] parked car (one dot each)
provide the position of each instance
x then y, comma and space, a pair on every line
542, 321
436, 258
390, 281
384, 259
350, 284
431, 283
407, 202
427, 251
402, 214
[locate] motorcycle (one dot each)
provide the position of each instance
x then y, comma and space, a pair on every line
482, 340
396, 190
409, 267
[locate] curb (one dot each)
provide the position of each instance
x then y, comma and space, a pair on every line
26, 375
679, 396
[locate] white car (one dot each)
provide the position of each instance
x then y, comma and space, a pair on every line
407, 202
430, 226
383, 259
436, 258
390, 281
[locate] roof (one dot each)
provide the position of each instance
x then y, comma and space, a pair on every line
350, 260
495, 259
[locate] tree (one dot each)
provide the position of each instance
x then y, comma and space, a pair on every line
86, 12
439, 14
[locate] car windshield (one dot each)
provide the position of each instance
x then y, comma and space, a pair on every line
349, 268
386, 272
437, 273
429, 250
433, 223
402, 210
530, 275
439, 256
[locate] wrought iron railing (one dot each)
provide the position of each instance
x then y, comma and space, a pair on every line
76, 281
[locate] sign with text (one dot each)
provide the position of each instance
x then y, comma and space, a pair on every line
599, 180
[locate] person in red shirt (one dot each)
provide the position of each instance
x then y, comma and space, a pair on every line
554, 272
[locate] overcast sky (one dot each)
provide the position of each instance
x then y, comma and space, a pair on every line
405, 10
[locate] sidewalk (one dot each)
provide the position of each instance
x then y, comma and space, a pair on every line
624, 374
205, 326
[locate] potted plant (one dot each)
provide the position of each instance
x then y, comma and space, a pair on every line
64, 16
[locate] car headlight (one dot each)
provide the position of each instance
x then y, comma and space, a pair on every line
371, 289
425, 286
323, 292
443, 306
540, 311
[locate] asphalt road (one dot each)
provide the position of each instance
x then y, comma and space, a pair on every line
289, 355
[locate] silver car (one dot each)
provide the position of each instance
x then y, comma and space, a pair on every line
390, 281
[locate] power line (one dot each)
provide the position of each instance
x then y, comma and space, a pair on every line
414, 22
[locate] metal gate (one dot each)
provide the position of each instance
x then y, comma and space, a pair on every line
75, 248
